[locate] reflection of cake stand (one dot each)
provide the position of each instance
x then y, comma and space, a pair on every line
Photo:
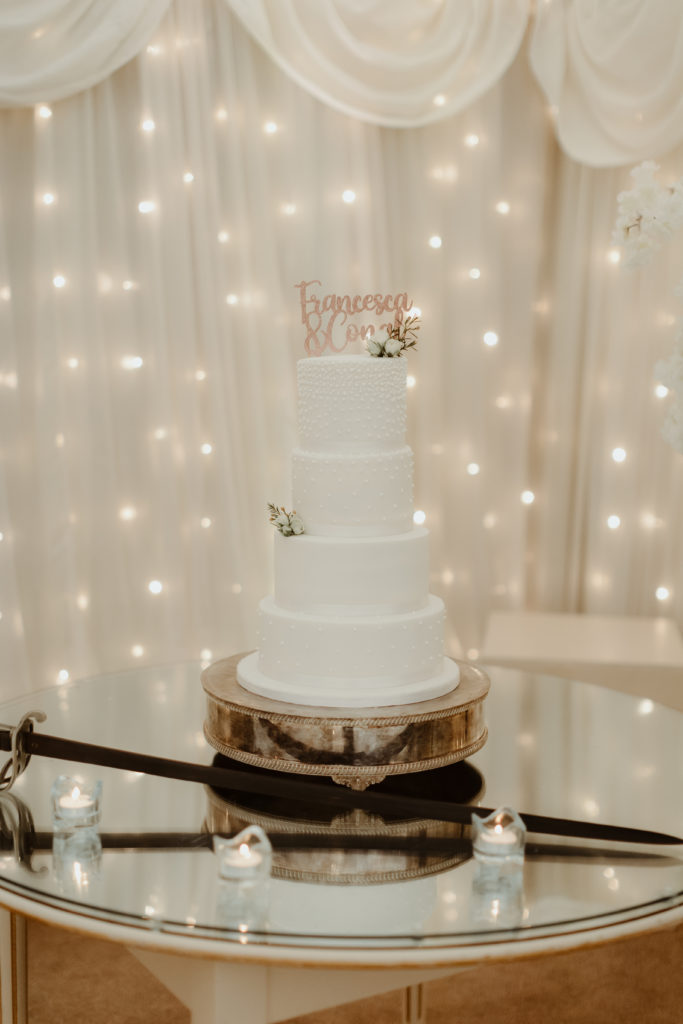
354, 746
331, 864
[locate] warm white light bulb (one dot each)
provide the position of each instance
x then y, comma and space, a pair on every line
147, 125
147, 206
206, 449
475, 273
410, 381
490, 338
662, 593
527, 497
131, 362
471, 140
618, 454
435, 242
419, 517
503, 207
59, 281
155, 586
614, 522
348, 195
473, 468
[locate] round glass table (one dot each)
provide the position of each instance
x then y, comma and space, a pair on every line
410, 907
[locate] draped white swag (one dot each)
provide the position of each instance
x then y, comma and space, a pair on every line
153, 225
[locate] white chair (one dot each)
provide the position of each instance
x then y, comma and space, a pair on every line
640, 656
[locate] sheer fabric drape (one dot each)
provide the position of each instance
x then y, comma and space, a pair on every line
152, 229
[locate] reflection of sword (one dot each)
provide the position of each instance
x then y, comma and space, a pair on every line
184, 842
24, 742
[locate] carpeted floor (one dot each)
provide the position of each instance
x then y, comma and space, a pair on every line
78, 980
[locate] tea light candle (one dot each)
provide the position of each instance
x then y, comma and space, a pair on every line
501, 835
74, 803
247, 856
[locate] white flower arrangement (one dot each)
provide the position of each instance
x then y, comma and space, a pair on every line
401, 336
648, 215
287, 523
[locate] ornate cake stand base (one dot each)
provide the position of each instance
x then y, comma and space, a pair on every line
353, 746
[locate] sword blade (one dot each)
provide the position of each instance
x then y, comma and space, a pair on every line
321, 791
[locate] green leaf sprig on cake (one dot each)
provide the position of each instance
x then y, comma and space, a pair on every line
401, 336
288, 523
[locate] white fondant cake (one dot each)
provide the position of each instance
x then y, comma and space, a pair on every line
351, 622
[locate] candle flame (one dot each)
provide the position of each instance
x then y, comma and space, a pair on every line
244, 849
75, 792
498, 828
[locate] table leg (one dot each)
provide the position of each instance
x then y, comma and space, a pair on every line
13, 969
414, 1010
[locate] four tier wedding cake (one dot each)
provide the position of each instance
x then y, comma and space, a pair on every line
351, 622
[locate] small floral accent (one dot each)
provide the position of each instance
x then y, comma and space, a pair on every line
288, 523
401, 336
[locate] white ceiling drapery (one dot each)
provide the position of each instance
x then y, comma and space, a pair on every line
612, 72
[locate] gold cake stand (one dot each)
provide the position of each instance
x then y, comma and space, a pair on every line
355, 747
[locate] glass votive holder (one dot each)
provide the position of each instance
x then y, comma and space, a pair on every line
499, 838
248, 856
244, 865
75, 804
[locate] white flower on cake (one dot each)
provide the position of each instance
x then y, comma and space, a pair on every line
401, 336
289, 524
648, 214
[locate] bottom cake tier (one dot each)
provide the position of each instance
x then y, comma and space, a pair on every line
349, 662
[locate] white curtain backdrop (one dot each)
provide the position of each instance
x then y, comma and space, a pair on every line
153, 227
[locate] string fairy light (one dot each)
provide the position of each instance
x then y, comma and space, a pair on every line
661, 390
662, 593
44, 112
439, 100
131, 362
47, 198
223, 237
490, 338
471, 140
147, 206
419, 517
206, 448
411, 381
475, 273
231, 299
188, 177
618, 454
59, 281
155, 586
614, 522
148, 125
527, 497
348, 195
435, 242
503, 207
473, 468
270, 127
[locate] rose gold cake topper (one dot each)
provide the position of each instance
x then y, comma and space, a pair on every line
320, 316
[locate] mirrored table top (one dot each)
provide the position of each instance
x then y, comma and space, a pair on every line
555, 747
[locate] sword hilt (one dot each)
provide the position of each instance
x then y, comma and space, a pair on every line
18, 760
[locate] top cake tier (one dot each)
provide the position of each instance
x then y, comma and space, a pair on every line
351, 404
